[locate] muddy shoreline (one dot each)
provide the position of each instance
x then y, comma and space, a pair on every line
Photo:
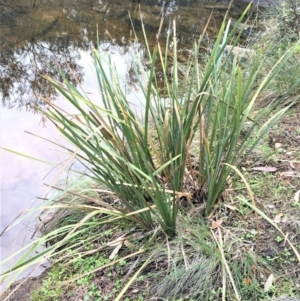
22, 289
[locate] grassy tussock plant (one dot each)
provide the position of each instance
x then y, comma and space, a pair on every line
178, 147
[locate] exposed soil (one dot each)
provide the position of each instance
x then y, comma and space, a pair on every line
22, 289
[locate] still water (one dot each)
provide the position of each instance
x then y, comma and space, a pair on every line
37, 37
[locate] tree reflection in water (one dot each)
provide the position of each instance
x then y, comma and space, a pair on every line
37, 37
21, 82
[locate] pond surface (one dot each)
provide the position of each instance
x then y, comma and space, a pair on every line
39, 37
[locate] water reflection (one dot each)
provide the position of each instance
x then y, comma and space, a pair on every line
21, 69
38, 36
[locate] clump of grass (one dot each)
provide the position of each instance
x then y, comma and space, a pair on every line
148, 162
182, 148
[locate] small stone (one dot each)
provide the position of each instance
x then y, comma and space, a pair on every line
278, 145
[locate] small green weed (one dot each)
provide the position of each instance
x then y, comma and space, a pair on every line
53, 289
